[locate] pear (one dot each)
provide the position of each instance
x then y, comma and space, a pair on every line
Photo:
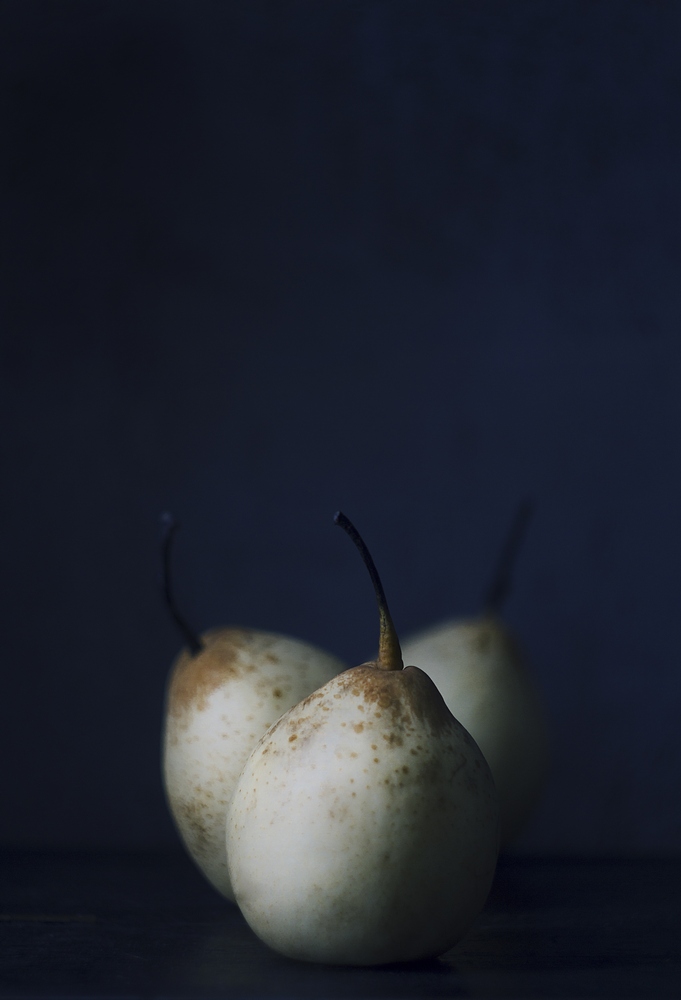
224, 691
481, 670
364, 827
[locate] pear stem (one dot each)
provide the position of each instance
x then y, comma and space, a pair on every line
389, 651
500, 586
169, 527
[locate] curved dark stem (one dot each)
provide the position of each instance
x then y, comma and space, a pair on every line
389, 651
501, 581
169, 527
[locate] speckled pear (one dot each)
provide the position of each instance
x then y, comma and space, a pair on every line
482, 673
364, 826
224, 691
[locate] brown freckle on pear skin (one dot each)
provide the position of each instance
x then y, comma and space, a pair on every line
194, 678
482, 640
359, 727
277, 693
191, 817
271, 658
375, 760
292, 738
374, 747
352, 754
392, 739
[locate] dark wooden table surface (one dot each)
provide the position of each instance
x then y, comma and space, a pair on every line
130, 925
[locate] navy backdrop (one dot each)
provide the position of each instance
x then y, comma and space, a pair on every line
262, 260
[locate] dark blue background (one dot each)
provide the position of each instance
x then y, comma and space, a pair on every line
263, 260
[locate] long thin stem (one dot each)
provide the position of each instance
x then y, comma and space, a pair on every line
500, 586
389, 652
169, 527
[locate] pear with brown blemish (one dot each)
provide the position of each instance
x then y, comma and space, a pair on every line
225, 689
364, 826
481, 670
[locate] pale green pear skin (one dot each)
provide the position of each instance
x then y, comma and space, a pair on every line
219, 702
480, 670
364, 827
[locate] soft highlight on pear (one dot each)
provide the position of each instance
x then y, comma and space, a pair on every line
224, 691
364, 826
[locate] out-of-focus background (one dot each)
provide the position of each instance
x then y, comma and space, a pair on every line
262, 260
